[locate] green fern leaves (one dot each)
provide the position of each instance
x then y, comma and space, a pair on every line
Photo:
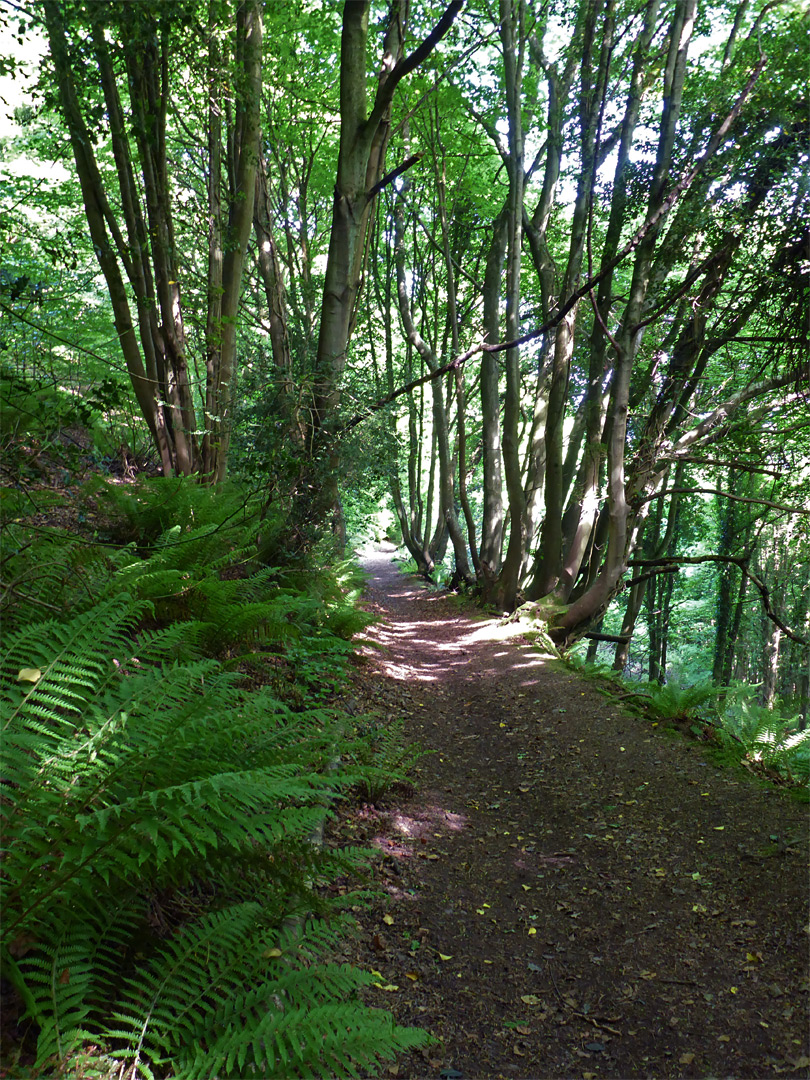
134, 781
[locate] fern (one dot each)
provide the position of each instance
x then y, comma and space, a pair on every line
129, 772
768, 740
674, 702
384, 758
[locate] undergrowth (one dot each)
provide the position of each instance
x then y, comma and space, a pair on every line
169, 760
765, 741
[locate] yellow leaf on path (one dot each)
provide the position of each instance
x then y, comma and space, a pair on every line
724, 1038
532, 931
388, 920
443, 957
412, 976
531, 999
686, 1059
526, 888
732, 989
719, 828
29, 674
390, 987
754, 957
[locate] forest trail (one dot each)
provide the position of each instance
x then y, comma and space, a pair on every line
569, 892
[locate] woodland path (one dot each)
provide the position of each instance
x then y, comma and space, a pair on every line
569, 892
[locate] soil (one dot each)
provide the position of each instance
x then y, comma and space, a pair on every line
568, 890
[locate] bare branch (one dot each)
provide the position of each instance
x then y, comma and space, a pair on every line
389, 178
727, 495
735, 560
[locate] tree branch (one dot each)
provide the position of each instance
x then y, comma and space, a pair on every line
389, 178
727, 495
735, 560
409, 63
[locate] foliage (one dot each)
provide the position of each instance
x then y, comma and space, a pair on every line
385, 757
157, 820
763, 738
770, 741
680, 704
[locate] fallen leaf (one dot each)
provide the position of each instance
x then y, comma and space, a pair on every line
412, 975
388, 920
442, 956
271, 954
390, 987
686, 1059
724, 1038
532, 931
29, 674
531, 999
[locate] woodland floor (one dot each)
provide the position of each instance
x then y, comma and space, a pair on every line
570, 891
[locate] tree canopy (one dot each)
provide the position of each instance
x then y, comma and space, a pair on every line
533, 276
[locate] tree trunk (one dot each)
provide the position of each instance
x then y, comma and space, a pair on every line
492, 522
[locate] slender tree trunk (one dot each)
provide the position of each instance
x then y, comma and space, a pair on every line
512, 17
492, 522
440, 425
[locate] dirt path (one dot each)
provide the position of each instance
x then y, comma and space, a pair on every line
573, 893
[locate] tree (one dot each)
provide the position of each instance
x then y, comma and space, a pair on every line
115, 73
